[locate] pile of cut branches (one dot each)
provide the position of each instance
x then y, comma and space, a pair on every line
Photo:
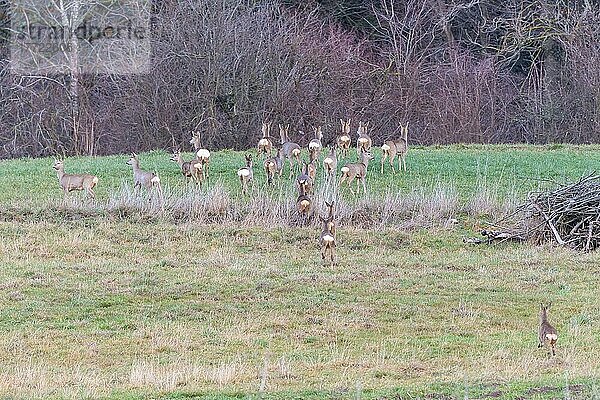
568, 215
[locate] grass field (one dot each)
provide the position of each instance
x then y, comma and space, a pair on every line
134, 309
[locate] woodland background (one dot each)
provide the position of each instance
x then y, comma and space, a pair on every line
477, 71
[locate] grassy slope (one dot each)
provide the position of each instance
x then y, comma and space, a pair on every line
503, 168
90, 307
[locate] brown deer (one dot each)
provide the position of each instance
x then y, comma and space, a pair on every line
547, 335
357, 171
327, 239
246, 174
363, 142
330, 162
291, 150
393, 148
141, 178
189, 169
202, 154
303, 181
71, 182
303, 202
311, 169
315, 145
274, 165
265, 145
344, 140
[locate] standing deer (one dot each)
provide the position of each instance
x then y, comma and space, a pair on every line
141, 178
202, 154
274, 165
393, 148
363, 142
547, 335
311, 170
291, 150
265, 145
71, 182
327, 239
189, 169
246, 174
315, 145
357, 171
330, 162
303, 181
303, 202
344, 140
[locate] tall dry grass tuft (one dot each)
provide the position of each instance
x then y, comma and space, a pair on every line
423, 207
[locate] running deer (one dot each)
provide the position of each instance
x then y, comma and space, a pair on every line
303, 202
304, 182
327, 239
291, 150
265, 145
363, 142
71, 182
246, 174
330, 162
315, 145
141, 178
202, 154
393, 148
274, 165
357, 171
344, 140
547, 335
189, 169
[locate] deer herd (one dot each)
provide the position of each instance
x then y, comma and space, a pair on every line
274, 158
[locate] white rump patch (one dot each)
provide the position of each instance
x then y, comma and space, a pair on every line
328, 161
198, 166
203, 153
296, 152
314, 145
305, 203
270, 164
156, 179
263, 142
551, 336
385, 147
363, 140
345, 170
243, 172
95, 180
328, 238
344, 138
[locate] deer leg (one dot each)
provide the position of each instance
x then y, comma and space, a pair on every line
392, 164
383, 157
364, 185
404, 161
332, 250
323, 253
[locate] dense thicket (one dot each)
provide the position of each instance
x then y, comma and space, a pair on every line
482, 71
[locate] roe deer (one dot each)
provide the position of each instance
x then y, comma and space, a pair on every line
315, 145
274, 165
291, 150
363, 142
303, 202
141, 178
344, 140
327, 239
330, 162
547, 335
357, 171
311, 170
265, 145
189, 169
393, 148
202, 154
71, 182
246, 174
303, 181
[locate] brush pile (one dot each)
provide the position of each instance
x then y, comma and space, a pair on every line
568, 215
